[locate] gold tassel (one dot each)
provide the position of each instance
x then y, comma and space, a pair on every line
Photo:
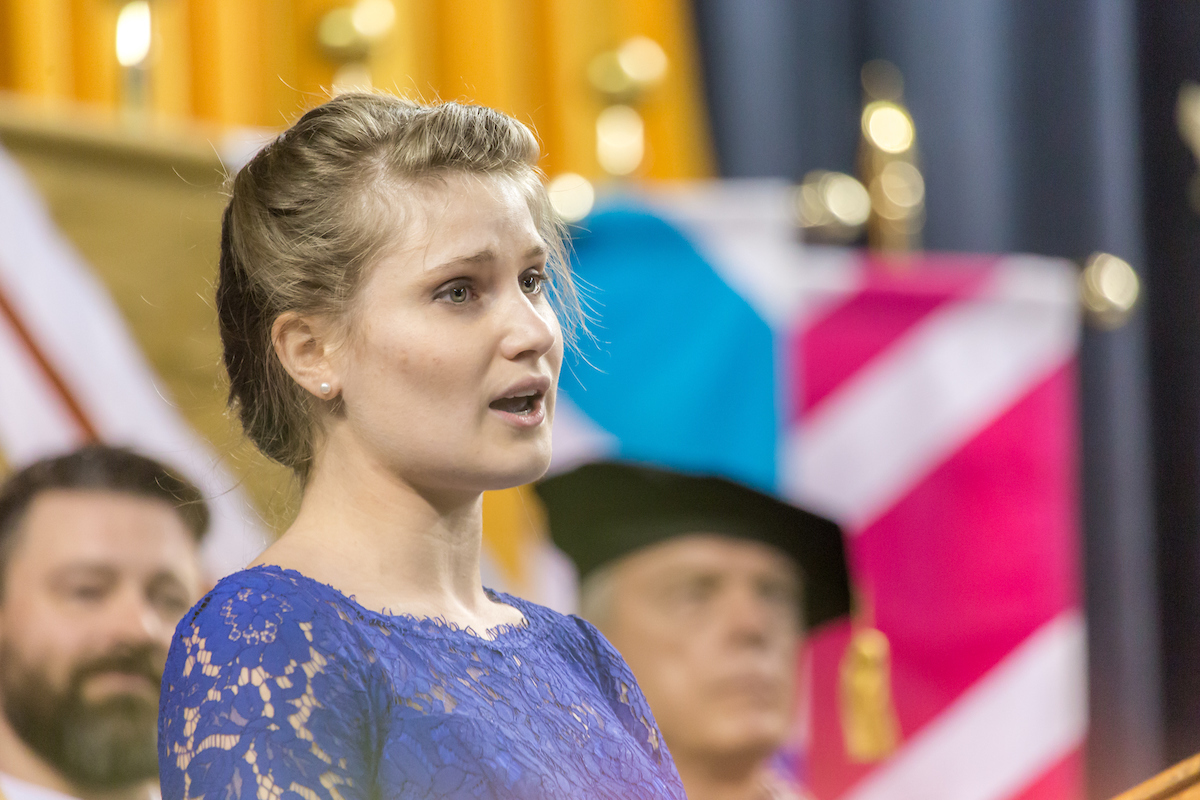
869, 723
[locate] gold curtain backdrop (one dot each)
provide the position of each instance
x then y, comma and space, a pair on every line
134, 181
258, 63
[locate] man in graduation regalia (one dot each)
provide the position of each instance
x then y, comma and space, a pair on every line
706, 587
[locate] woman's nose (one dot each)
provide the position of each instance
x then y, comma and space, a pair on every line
531, 328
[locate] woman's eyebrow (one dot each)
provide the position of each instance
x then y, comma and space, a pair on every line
487, 255
483, 256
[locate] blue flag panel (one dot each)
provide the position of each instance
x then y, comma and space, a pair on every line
681, 370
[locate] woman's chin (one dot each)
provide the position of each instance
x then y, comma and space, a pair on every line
519, 475
519, 468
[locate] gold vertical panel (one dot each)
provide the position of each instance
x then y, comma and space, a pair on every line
422, 16
228, 39
281, 95
94, 51
314, 70
204, 22
677, 135
7, 53
249, 39
521, 30
575, 31
402, 62
534, 47
40, 40
482, 54
171, 59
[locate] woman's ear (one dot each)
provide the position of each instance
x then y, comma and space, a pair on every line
305, 349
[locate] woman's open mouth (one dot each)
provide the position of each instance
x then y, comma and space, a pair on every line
524, 408
520, 404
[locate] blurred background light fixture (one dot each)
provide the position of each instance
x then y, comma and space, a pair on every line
899, 189
845, 198
1109, 289
623, 75
609, 78
831, 207
572, 196
340, 38
133, 33
347, 33
373, 19
620, 140
643, 60
888, 126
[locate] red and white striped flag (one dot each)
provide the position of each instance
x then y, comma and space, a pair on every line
935, 416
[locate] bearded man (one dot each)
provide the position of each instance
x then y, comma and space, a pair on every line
98, 562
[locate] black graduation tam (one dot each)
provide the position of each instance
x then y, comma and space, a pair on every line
603, 511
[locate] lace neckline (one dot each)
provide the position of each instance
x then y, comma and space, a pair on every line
508, 634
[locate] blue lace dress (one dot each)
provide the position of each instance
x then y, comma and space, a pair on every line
278, 687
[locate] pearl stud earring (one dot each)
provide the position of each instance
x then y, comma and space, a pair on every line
326, 388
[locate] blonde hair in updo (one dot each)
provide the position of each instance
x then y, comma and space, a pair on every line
316, 207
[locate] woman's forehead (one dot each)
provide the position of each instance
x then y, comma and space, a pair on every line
463, 219
446, 192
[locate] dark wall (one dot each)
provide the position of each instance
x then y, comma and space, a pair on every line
1170, 54
1029, 133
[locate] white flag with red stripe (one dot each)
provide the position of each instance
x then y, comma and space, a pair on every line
72, 372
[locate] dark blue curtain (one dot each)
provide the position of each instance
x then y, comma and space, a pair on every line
1169, 33
1029, 127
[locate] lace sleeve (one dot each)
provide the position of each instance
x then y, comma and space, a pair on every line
625, 696
264, 698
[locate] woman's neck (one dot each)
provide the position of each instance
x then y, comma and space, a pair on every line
369, 533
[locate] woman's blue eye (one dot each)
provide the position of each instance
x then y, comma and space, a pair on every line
531, 283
